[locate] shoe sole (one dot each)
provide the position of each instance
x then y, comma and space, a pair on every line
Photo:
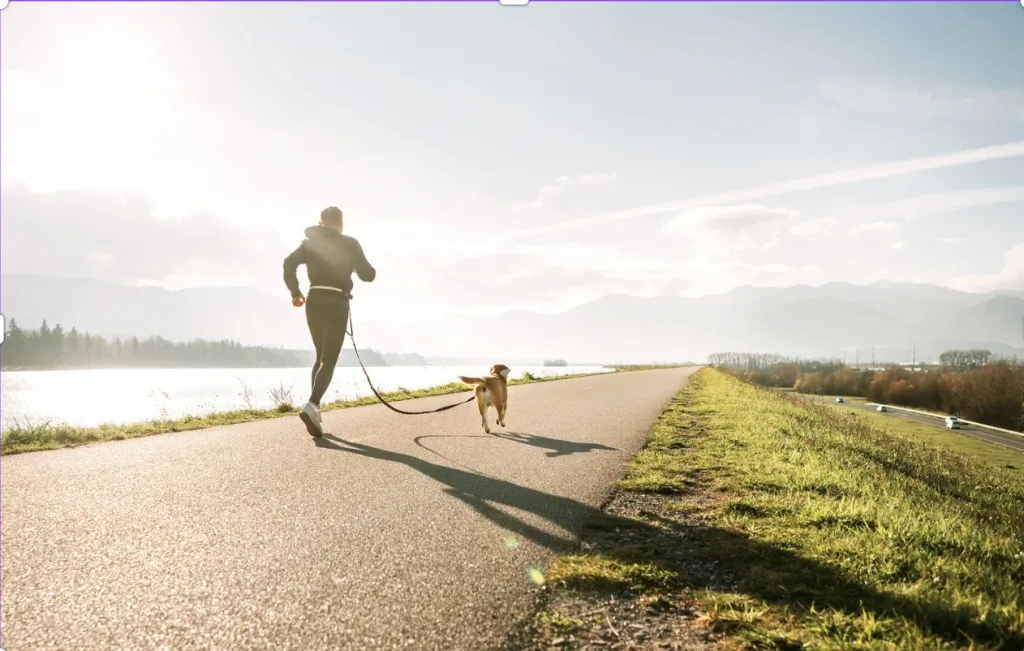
311, 425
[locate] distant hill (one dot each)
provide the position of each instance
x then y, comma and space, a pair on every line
247, 315
801, 320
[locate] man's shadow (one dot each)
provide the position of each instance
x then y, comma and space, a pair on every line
726, 560
480, 492
701, 557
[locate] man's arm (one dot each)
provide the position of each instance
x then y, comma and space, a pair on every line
364, 270
291, 266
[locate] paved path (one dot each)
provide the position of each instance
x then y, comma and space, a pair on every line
397, 532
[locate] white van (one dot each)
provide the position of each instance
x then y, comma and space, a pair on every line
952, 422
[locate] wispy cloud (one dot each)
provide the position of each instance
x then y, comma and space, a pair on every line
916, 101
872, 227
818, 227
714, 231
845, 177
551, 190
728, 219
951, 240
935, 203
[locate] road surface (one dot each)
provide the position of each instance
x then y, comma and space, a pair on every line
1009, 440
396, 532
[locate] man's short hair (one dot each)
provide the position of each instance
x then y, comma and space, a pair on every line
331, 215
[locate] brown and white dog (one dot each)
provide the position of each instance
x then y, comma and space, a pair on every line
491, 390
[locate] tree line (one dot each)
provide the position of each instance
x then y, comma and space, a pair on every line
772, 370
52, 348
971, 384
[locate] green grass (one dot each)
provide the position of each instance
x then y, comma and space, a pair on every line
32, 438
801, 527
938, 435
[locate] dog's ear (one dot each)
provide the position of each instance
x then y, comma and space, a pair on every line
501, 369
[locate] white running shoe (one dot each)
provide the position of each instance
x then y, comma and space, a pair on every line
310, 415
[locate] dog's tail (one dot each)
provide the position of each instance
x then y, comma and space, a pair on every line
473, 380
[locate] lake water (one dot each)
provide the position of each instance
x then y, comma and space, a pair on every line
92, 397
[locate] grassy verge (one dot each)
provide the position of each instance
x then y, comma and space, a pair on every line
47, 436
756, 520
940, 436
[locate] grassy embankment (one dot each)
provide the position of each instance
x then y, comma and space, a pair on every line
757, 520
956, 441
48, 436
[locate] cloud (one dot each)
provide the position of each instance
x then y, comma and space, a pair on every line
728, 219
562, 183
845, 177
714, 231
101, 236
1010, 277
872, 227
909, 100
951, 240
896, 246
931, 204
819, 227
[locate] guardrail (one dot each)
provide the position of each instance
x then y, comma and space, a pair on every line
941, 417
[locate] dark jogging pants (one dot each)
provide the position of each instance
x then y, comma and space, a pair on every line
327, 323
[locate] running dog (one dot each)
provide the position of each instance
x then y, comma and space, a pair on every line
491, 391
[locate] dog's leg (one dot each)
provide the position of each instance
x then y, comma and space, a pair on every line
481, 402
499, 406
504, 407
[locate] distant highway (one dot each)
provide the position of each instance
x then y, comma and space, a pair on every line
1009, 440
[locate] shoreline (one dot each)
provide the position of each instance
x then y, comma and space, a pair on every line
33, 369
19, 439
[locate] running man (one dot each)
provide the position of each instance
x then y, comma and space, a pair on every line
330, 259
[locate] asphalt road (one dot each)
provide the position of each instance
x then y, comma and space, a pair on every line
396, 532
1009, 440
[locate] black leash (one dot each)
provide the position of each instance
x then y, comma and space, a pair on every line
351, 335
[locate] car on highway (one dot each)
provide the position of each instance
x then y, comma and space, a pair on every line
881, 408
952, 422
838, 400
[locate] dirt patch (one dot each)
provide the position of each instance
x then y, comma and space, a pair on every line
589, 607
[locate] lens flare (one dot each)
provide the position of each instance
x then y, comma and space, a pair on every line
536, 576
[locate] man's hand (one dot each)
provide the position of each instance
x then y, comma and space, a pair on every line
299, 301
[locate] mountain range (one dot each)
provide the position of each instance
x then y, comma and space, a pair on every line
900, 320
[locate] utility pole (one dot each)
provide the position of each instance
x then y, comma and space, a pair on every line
872, 357
913, 361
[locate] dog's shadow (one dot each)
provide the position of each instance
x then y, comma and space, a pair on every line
557, 447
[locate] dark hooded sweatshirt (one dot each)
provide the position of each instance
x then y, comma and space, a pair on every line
330, 259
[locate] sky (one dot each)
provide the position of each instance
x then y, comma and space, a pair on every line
493, 158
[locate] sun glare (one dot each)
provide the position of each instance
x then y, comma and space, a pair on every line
113, 74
